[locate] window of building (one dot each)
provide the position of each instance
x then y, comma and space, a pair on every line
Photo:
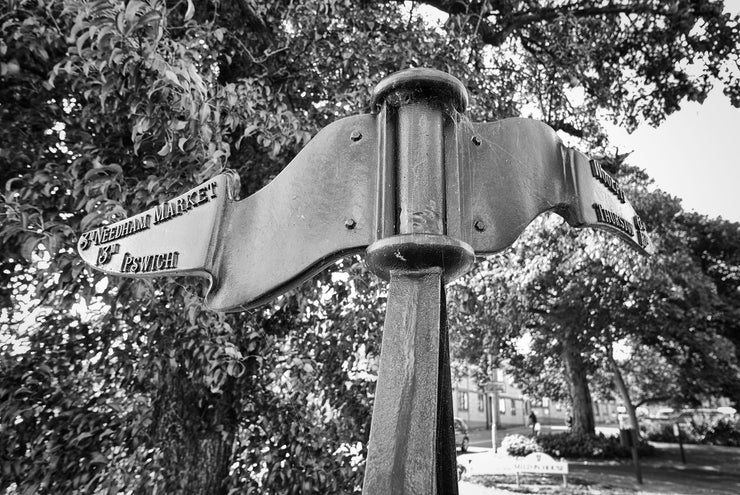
558, 406
502, 406
462, 400
481, 402
513, 407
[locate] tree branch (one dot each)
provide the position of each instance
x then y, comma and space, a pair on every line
507, 22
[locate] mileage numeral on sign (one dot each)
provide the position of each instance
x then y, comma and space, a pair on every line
641, 230
105, 254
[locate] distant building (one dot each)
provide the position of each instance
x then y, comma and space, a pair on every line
555, 412
500, 400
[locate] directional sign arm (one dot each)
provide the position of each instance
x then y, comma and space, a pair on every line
520, 169
176, 237
319, 208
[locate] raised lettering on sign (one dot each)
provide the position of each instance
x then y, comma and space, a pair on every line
610, 218
149, 263
105, 254
176, 207
607, 180
641, 230
104, 235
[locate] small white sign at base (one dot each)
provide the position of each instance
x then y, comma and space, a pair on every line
538, 462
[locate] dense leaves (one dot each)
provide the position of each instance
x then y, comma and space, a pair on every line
108, 107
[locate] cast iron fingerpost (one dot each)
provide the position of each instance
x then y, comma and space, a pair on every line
421, 194
412, 439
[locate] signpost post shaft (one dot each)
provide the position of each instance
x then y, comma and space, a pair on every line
412, 437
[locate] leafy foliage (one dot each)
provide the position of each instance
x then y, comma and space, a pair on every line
577, 446
697, 428
519, 445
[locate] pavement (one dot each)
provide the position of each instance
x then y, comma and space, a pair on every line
709, 470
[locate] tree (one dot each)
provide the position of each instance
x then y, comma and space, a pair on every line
715, 244
577, 296
109, 107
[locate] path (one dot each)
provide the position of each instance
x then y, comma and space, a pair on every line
710, 470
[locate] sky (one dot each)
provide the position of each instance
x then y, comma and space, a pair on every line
693, 154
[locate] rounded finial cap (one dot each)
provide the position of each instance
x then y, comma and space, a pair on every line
431, 83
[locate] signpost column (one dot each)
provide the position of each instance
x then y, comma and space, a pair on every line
412, 437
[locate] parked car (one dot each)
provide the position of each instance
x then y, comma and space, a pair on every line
461, 435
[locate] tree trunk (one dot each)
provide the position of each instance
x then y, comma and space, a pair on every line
622, 387
575, 374
195, 456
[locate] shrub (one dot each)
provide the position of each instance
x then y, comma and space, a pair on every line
662, 431
572, 445
519, 445
723, 431
698, 429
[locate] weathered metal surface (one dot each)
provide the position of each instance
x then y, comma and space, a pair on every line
419, 252
421, 181
319, 208
386, 197
412, 440
176, 237
420, 83
402, 451
520, 169
458, 200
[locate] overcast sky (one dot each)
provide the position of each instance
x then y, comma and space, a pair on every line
694, 154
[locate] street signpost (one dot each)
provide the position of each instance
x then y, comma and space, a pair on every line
418, 188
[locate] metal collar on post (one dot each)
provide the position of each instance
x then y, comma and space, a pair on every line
419, 171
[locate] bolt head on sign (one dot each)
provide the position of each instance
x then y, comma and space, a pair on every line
336, 198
